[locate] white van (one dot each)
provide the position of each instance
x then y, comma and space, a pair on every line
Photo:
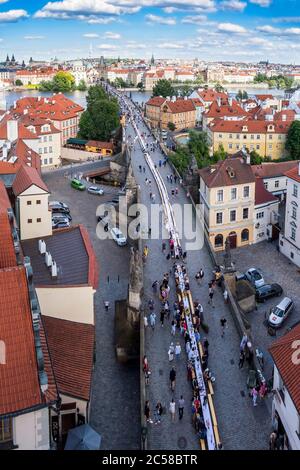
279, 313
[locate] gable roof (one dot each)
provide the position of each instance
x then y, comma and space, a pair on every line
25, 155
226, 109
23, 132
273, 169
211, 95
20, 388
156, 101
7, 250
71, 347
180, 106
294, 173
262, 195
27, 177
281, 351
253, 126
218, 175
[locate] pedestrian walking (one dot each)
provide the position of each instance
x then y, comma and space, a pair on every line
173, 328
163, 247
171, 352
225, 296
201, 272
211, 295
180, 407
197, 277
254, 395
147, 377
106, 305
177, 351
140, 168
243, 342
144, 169
242, 359
145, 321
150, 194
154, 286
145, 364
171, 179
172, 409
176, 191
172, 379
223, 323
151, 304
205, 345
152, 320
175, 179
158, 413
272, 440
162, 317
147, 412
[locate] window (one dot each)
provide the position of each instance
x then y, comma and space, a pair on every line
50, 150
246, 191
266, 185
28, 203
295, 190
292, 255
245, 213
237, 146
219, 241
220, 136
233, 194
252, 137
220, 195
45, 138
270, 137
46, 150
6, 430
293, 233
230, 136
238, 136
294, 213
230, 146
260, 215
245, 136
38, 201
219, 217
277, 184
270, 146
50, 138
245, 235
29, 221
258, 137
45, 161
50, 161
258, 147
40, 150
233, 216
39, 220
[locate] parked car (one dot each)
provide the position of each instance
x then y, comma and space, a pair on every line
76, 184
60, 218
58, 206
118, 236
95, 190
267, 291
254, 277
279, 313
60, 224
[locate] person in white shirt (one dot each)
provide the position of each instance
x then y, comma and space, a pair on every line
172, 410
171, 352
177, 350
145, 321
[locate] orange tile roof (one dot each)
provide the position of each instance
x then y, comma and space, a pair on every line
253, 126
282, 351
20, 388
264, 97
294, 174
23, 132
71, 347
156, 101
7, 250
25, 155
98, 143
27, 177
211, 95
9, 168
216, 111
181, 106
273, 169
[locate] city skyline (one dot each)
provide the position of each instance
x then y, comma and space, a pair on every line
207, 29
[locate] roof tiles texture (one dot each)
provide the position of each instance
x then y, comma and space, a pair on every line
262, 195
231, 171
26, 177
7, 250
273, 169
294, 173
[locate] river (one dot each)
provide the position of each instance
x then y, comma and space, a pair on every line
7, 98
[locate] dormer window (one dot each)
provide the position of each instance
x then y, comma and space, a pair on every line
271, 128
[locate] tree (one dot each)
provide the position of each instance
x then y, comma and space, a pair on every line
219, 154
255, 158
171, 126
260, 78
19, 82
62, 81
120, 83
82, 86
185, 90
219, 87
242, 95
293, 140
140, 86
163, 88
198, 146
181, 159
101, 117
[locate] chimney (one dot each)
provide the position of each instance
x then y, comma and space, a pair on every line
4, 152
230, 101
219, 101
54, 269
284, 117
25, 111
12, 130
15, 105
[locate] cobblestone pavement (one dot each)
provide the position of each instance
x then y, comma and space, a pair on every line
115, 408
241, 425
275, 268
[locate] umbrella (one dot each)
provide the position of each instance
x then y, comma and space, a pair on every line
83, 438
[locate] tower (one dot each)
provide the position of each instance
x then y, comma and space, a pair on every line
152, 60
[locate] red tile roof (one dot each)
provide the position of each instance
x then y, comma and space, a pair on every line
180, 106
218, 175
262, 195
282, 351
264, 97
25, 155
20, 388
211, 95
255, 126
93, 272
23, 132
97, 143
27, 177
273, 169
234, 110
51, 394
71, 348
7, 250
294, 174
156, 101
9, 168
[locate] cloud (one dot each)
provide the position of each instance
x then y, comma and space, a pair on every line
12, 16
33, 38
235, 5
194, 19
107, 47
91, 35
262, 3
110, 35
4, 1
278, 31
231, 28
170, 45
155, 19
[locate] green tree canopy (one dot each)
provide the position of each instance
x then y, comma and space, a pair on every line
82, 86
256, 159
185, 90
163, 88
171, 126
181, 159
198, 146
293, 140
19, 82
101, 117
219, 154
242, 95
219, 88
62, 81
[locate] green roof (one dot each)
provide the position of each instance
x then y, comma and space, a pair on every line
75, 141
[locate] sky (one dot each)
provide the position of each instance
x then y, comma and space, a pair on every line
210, 30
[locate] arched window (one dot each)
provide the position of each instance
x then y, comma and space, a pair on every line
245, 235
219, 241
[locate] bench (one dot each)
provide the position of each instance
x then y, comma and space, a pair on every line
212, 411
